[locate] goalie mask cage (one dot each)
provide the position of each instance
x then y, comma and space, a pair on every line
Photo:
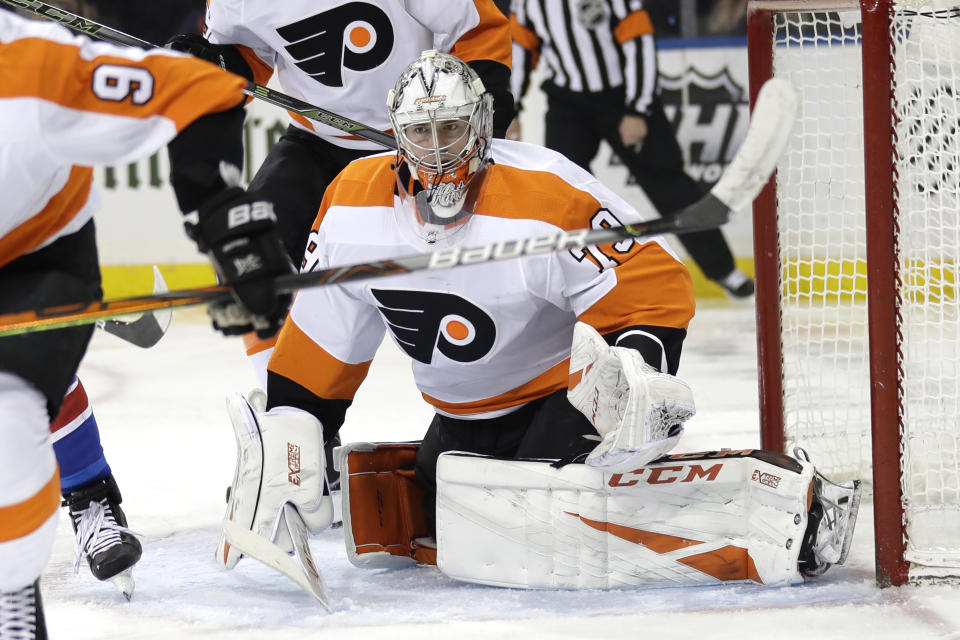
856, 247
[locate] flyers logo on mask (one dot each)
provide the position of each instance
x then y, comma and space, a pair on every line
356, 36
427, 321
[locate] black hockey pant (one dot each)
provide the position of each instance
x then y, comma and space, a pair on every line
67, 271
549, 427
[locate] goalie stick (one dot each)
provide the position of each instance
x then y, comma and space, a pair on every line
148, 329
751, 168
95, 29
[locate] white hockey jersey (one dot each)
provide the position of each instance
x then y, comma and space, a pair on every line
345, 56
483, 338
66, 103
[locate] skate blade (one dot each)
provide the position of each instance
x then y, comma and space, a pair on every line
124, 582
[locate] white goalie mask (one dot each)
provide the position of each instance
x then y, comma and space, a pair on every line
443, 119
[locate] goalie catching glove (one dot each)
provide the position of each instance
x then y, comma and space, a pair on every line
638, 410
237, 232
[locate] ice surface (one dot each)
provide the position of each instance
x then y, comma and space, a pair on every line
166, 436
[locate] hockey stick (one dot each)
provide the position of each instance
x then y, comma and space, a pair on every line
148, 329
749, 171
305, 109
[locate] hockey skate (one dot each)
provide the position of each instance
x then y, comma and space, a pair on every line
102, 535
737, 285
830, 524
21, 614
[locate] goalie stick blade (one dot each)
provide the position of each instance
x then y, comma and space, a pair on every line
300, 567
148, 329
770, 125
144, 332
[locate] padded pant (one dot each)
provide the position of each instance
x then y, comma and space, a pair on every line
65, 272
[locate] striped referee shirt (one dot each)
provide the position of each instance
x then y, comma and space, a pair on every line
588, 46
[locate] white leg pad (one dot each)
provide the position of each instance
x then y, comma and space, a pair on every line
27, 465
695, 519
277, 493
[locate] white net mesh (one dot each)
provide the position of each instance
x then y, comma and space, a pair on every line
822, 250
822, 245
927, 58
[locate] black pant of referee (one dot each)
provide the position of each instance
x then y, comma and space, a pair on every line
577, 122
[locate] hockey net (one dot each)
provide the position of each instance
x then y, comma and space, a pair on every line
866, 205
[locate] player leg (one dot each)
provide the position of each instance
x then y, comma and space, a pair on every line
294, 176
29, 496
35, 371
91, 494
495, 436
685, 520
558, 431
277, 497
578, 143
659, 171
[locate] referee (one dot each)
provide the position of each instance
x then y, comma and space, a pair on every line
601, 84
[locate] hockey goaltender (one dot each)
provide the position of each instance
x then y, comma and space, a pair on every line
552, 376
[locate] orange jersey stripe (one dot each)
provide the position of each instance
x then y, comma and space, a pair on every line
367, 182
262, 72
633, 26
303, 121
253, 344
526, 38
523, 36
489, 40
657, 288
183, 88
551, 380
300, 359
23, 518
509, 192
58, 212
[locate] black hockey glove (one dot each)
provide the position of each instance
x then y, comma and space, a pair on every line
225, 56
237, 231
197, 45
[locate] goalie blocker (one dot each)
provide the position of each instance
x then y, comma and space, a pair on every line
684, 520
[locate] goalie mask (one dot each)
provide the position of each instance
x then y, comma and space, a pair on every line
442, 118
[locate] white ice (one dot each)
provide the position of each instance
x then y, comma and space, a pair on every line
166, 436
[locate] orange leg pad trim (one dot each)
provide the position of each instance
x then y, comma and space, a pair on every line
22, 518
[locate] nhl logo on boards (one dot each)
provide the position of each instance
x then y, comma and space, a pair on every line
710, 115
592, 13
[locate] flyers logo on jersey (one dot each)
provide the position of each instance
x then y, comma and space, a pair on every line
356, 36
424, 321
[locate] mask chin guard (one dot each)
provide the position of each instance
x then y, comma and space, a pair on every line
432, 212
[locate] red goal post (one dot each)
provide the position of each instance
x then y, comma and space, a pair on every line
857, 254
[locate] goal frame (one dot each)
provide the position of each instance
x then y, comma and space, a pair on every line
883, 305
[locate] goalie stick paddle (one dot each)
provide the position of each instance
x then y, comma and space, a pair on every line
305, 109
770, 126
